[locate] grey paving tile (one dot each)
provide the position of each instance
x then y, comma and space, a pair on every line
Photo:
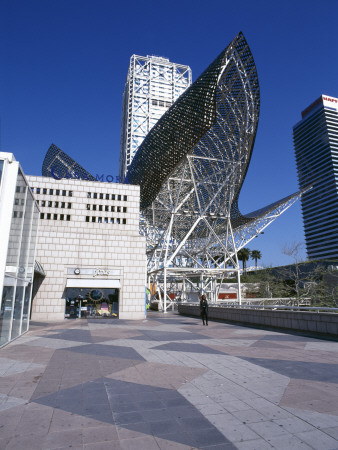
289, 442
108, 351
63, 438
299, 369
318, 439
256, 444
267, 429
146, 442
98, 434
333, 432
188, 348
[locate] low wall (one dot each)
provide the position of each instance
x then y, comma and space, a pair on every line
324, 323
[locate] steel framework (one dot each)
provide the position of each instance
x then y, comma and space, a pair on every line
153, 85
190, 168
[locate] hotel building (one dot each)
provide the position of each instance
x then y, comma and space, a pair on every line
153, 85
316, 147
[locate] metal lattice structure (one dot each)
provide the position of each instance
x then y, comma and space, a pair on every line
190, 168
57, 164
153, 85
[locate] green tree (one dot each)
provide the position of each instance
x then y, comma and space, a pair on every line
243, 255
255, 255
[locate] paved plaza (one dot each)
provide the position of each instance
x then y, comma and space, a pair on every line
167, 382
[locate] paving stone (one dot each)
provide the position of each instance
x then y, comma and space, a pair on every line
166, 383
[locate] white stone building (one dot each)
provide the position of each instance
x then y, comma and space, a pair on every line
90, 249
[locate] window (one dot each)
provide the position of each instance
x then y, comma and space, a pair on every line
105, 220
32, 189
89, 195
95, 195
106, 208
62, 216
99, 219
118, 221
55, 216
69, 205
64, 193
50, 204
70, 193
112, 208
101, 196
107, 196
48, 216
68, 217
38, 202
125, 198
88, 206
37, 190
93, 219
50, 191
16, 202
63, 205
100, 208
124, 221
42, 216
113, 196
124, 209
87, 218
111, 220
44, 191
94, 207
57, 192
43, 202
119, 197
56, 204
118, 209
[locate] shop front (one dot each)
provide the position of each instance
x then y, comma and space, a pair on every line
87, 298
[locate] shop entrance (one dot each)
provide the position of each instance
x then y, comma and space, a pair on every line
94, 303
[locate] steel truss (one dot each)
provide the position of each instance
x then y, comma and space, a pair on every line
190, 169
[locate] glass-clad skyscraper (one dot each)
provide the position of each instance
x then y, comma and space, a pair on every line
153, 85
316, 146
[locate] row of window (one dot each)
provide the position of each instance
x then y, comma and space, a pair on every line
161, 103
107, 196
51, 204
45, 191
117, 220
107, 208
49, 216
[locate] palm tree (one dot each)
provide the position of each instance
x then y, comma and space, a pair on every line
243, 255
255, 255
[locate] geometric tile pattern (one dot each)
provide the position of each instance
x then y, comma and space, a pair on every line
167, 383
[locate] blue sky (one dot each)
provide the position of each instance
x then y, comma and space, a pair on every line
64, 64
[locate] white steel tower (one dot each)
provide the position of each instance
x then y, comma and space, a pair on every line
153, 85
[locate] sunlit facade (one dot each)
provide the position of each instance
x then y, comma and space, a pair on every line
316, 146
153, 85
19, 217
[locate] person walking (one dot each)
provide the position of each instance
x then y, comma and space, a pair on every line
204, 309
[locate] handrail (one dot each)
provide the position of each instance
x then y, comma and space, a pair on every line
273, 307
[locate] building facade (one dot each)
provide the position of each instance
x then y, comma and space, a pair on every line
153, 85
90, 249
316, 147
19, 218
